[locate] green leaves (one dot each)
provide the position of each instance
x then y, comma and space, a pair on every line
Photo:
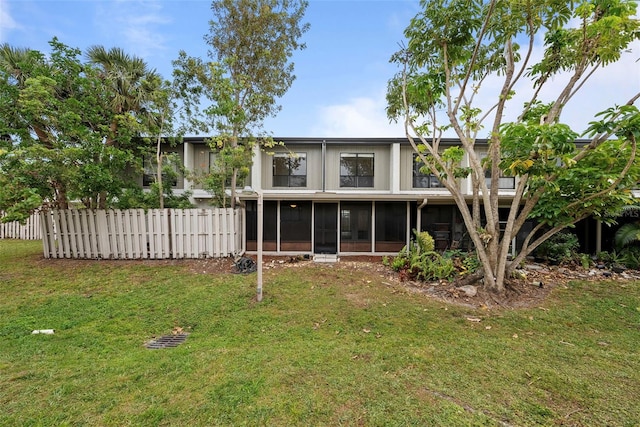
64, 138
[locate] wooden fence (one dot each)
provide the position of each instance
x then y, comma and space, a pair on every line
140, 234
27, 231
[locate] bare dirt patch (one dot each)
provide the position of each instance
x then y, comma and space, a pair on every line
529, 289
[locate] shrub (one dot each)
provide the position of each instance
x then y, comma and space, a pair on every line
630, 257
560, 248
419, 261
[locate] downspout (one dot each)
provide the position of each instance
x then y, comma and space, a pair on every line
419, 218
324, 162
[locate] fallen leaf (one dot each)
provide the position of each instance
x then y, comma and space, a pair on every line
515, 335
366, 331
474, 319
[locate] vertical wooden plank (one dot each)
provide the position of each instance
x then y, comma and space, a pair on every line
47, 236
82, 250
36, 226
180, 228
67, 220
231, 241
135, 231
224, 226
57, 248
91, 218
178, 233
149, 229
73, 232
102, 234
210, 236
63, 234
166, 232
107, 238
142, 233
153, 237
59, 234
86, 237
120, 234
186, 223
198, 232
237, 231
84, 233
215, 248
194, 251
113, 233
161, 246
126, 216
143, 228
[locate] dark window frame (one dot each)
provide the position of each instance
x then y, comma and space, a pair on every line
296, 168
150, 168
360, 174
504, 182
422, 180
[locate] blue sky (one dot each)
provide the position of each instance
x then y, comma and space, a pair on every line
341, 75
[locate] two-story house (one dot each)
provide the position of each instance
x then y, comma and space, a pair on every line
351, 196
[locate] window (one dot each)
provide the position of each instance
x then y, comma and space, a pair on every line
423, 180
150, 170
504, 182
215, 167
356, 170
290, 170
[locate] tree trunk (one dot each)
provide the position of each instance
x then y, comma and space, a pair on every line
159, 177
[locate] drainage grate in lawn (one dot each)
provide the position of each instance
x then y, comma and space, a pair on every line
166, 341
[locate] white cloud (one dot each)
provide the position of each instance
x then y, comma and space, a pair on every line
613, 85
138, 24
358, 117
7, 23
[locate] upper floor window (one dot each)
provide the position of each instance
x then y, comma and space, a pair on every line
150, 169
423, 180
504, 182
290, 170
216, 167
356, 169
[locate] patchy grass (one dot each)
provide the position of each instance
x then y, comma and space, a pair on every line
326, 346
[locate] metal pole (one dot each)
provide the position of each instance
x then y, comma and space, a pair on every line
260, 238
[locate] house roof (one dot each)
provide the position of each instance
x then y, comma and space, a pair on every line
358, 141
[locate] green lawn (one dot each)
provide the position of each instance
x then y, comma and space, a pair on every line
326, 347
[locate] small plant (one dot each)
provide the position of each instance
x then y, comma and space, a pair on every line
585, 261
424, 241
560, 248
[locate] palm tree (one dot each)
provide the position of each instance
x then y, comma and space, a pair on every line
12, 61
627, 234
129, 81
131, 87
19, 64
